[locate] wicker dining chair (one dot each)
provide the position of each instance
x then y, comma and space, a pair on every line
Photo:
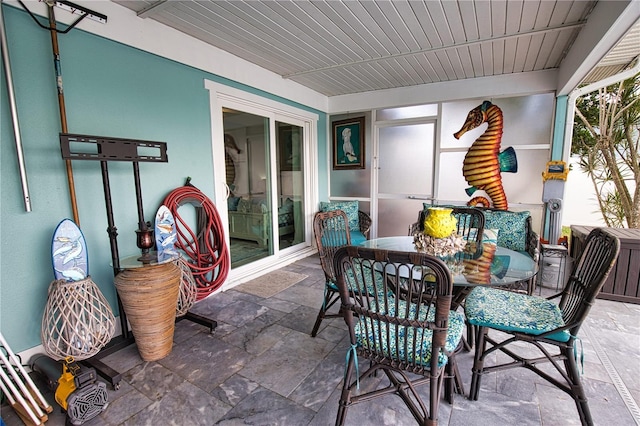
470, 223
331, 231
542, 323
408, 332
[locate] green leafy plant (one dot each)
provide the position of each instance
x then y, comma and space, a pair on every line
606, 138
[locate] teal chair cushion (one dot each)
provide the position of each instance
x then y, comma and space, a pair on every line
367, 331
349, 207
338, 238
512, 228
509, 311
357, 238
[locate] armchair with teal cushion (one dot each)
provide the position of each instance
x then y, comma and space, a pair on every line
535, 321
515, 232
359, 221
331, 231
410, 336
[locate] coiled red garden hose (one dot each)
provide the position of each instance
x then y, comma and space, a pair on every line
206, 250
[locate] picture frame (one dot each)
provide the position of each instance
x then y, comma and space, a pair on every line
348, 135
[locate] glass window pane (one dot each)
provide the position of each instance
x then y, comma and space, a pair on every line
406, 159
247, 172
395, 216
289, 146
430, 110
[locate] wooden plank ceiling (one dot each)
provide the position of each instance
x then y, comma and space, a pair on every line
343, 47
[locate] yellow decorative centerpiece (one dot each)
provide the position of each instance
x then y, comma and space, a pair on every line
439, 222
439, 237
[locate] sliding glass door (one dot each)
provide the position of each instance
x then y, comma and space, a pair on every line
265, 191
264, 163
248, 179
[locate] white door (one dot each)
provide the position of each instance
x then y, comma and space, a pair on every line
403, 175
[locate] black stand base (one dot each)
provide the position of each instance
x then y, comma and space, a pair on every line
199, 319
116, 344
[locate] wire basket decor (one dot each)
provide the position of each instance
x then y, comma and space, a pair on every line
188, 288
77, 320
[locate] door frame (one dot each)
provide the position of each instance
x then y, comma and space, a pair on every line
228, 97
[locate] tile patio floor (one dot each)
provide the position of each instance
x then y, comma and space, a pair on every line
261, 367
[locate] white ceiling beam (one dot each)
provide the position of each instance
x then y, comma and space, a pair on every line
499, 86
153, 9
607, 24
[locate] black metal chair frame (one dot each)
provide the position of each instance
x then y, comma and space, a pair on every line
587, 278
360, 305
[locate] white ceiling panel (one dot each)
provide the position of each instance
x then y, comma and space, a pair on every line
343, 47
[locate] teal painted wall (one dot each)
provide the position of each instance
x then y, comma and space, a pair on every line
110, 90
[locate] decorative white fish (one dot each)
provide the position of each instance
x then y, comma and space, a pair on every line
63, 248
72, 274
169, 241
165, 227
73, 254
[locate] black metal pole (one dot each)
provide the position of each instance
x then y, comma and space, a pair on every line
113, 241
142, 225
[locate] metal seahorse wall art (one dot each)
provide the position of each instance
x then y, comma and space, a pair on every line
484, 163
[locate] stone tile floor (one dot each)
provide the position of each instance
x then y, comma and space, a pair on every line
261, 367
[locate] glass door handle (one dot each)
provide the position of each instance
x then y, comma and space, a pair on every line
413, 197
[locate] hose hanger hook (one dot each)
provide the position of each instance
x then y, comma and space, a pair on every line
71, 7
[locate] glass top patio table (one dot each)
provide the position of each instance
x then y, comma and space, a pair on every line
494, 268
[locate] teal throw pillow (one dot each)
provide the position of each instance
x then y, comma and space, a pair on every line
349, 207
512, 228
